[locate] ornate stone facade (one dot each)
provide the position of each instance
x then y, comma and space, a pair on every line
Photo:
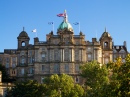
61, 53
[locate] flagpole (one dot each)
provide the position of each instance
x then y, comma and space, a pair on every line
79, 26
36, 34
53, 26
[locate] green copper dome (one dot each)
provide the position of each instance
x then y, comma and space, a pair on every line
65, 25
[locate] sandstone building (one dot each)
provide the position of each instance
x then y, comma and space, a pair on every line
61, 53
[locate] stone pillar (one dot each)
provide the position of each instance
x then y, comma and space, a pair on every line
61, 51
81, 55
63, 55
70, 54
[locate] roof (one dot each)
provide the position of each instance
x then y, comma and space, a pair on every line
65, 25
105, 34
23, 34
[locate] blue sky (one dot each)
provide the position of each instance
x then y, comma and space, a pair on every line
93, 15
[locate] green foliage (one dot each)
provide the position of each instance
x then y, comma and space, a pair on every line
95, 74
62, 86
124, 78
96, 77
3, 70
119, 85
28, 88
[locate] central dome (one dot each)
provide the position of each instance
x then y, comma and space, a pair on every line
65, 25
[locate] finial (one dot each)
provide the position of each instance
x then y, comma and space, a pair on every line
23, 28
65, 11
105, 29
65, 16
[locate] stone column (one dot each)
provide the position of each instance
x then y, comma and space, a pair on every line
62, 55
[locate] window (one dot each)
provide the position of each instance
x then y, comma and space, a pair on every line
43, 49
77, 79
7, 59
89, 56
22, 52
23, 43
77, 67
114, 51
30, 70
88, 49
66, 54
56, 68
30, 53
13, 71
117, 47
55, 42
66, 67
13, 59
77, 43
43, 67
23, 61
56, 55
7, 65
76, 55
123, 56
42, 79
13, 65
43, 56
123, 60
0, 59
30, 60
106, 60
114, 56
106, 44
22, 71
122, 50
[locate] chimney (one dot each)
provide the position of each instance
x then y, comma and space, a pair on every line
125, 44
94, 39
36, 40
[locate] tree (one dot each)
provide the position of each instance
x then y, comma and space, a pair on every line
28, 88
62, 86
124, 78
96, 78
120, 78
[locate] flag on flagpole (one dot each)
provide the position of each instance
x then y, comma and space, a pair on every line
50, 23
76, 23
61, 15
34, 30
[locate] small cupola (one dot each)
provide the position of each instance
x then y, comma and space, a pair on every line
105, 34
23, 39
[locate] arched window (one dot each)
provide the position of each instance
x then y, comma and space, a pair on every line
23, 43
106, 44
